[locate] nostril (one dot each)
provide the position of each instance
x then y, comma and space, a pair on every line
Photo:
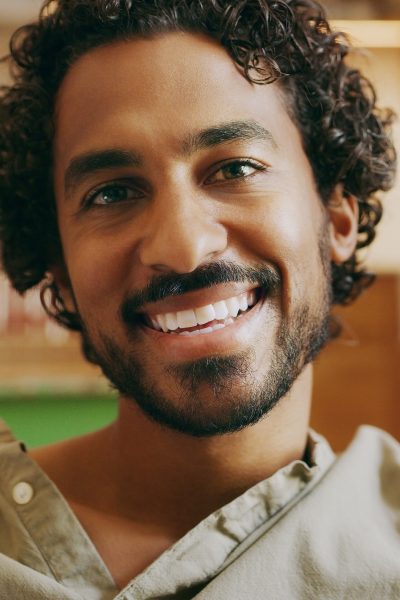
161, 268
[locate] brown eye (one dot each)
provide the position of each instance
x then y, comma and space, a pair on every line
237, 169
113, 194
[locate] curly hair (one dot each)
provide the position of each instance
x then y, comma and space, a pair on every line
345, 136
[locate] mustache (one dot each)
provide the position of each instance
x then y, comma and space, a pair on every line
206, 276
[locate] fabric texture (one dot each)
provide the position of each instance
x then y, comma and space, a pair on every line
325, 530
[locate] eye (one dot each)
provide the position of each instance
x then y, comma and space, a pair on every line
112, 193
237, 169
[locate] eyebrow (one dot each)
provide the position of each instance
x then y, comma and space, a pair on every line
225, 133
84, 165
91, 162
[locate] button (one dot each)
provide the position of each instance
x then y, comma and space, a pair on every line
22, 492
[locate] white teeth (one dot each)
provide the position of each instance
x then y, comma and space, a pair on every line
205, 330
186, 318
233, 306
251, 298
205, 314
155, 324
223, 310
243, 305
163, 325
171, 321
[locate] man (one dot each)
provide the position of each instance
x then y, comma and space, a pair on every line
193, 179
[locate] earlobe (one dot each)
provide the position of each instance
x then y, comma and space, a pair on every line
61, 279
343, 224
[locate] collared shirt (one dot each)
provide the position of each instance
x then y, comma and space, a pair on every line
329, 529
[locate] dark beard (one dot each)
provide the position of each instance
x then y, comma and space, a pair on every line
298, 343
232, 401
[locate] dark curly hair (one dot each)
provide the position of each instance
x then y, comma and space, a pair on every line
345, 136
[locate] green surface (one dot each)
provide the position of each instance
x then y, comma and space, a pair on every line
42, 419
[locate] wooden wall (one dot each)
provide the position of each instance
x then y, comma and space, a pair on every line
357, 377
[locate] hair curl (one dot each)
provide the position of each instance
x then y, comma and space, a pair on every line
346, 137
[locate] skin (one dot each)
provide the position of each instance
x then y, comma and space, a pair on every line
147, 96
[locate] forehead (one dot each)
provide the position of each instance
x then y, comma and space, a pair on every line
158, 90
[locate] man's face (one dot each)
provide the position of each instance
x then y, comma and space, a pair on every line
183, 190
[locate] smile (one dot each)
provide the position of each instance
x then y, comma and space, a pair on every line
204, 319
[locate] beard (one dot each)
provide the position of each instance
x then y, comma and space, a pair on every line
218, 394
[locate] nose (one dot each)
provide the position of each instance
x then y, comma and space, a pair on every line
182, 233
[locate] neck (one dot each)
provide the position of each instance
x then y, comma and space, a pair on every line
174, 471
144, 473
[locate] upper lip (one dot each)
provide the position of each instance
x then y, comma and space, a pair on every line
197, 298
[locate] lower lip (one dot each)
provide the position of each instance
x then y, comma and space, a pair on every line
221, 341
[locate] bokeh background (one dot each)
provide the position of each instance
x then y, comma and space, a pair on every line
48, 392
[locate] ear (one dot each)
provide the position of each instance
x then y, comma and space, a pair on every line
343, 216
61, 278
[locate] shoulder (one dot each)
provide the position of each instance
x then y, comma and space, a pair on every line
374, 439
372, 459
340, 540
6, 435
20, 581
362, 488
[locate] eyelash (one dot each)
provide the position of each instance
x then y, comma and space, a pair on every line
241, 162
88, 201
118, 184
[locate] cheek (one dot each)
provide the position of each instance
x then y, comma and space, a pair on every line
98, 271
287, 233
285, 230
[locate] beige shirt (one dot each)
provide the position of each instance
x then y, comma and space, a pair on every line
327, 530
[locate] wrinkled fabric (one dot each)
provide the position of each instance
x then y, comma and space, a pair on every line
329, 529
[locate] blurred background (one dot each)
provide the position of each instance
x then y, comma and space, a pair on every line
48, 392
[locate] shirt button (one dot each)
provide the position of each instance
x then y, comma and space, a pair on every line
22, 492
